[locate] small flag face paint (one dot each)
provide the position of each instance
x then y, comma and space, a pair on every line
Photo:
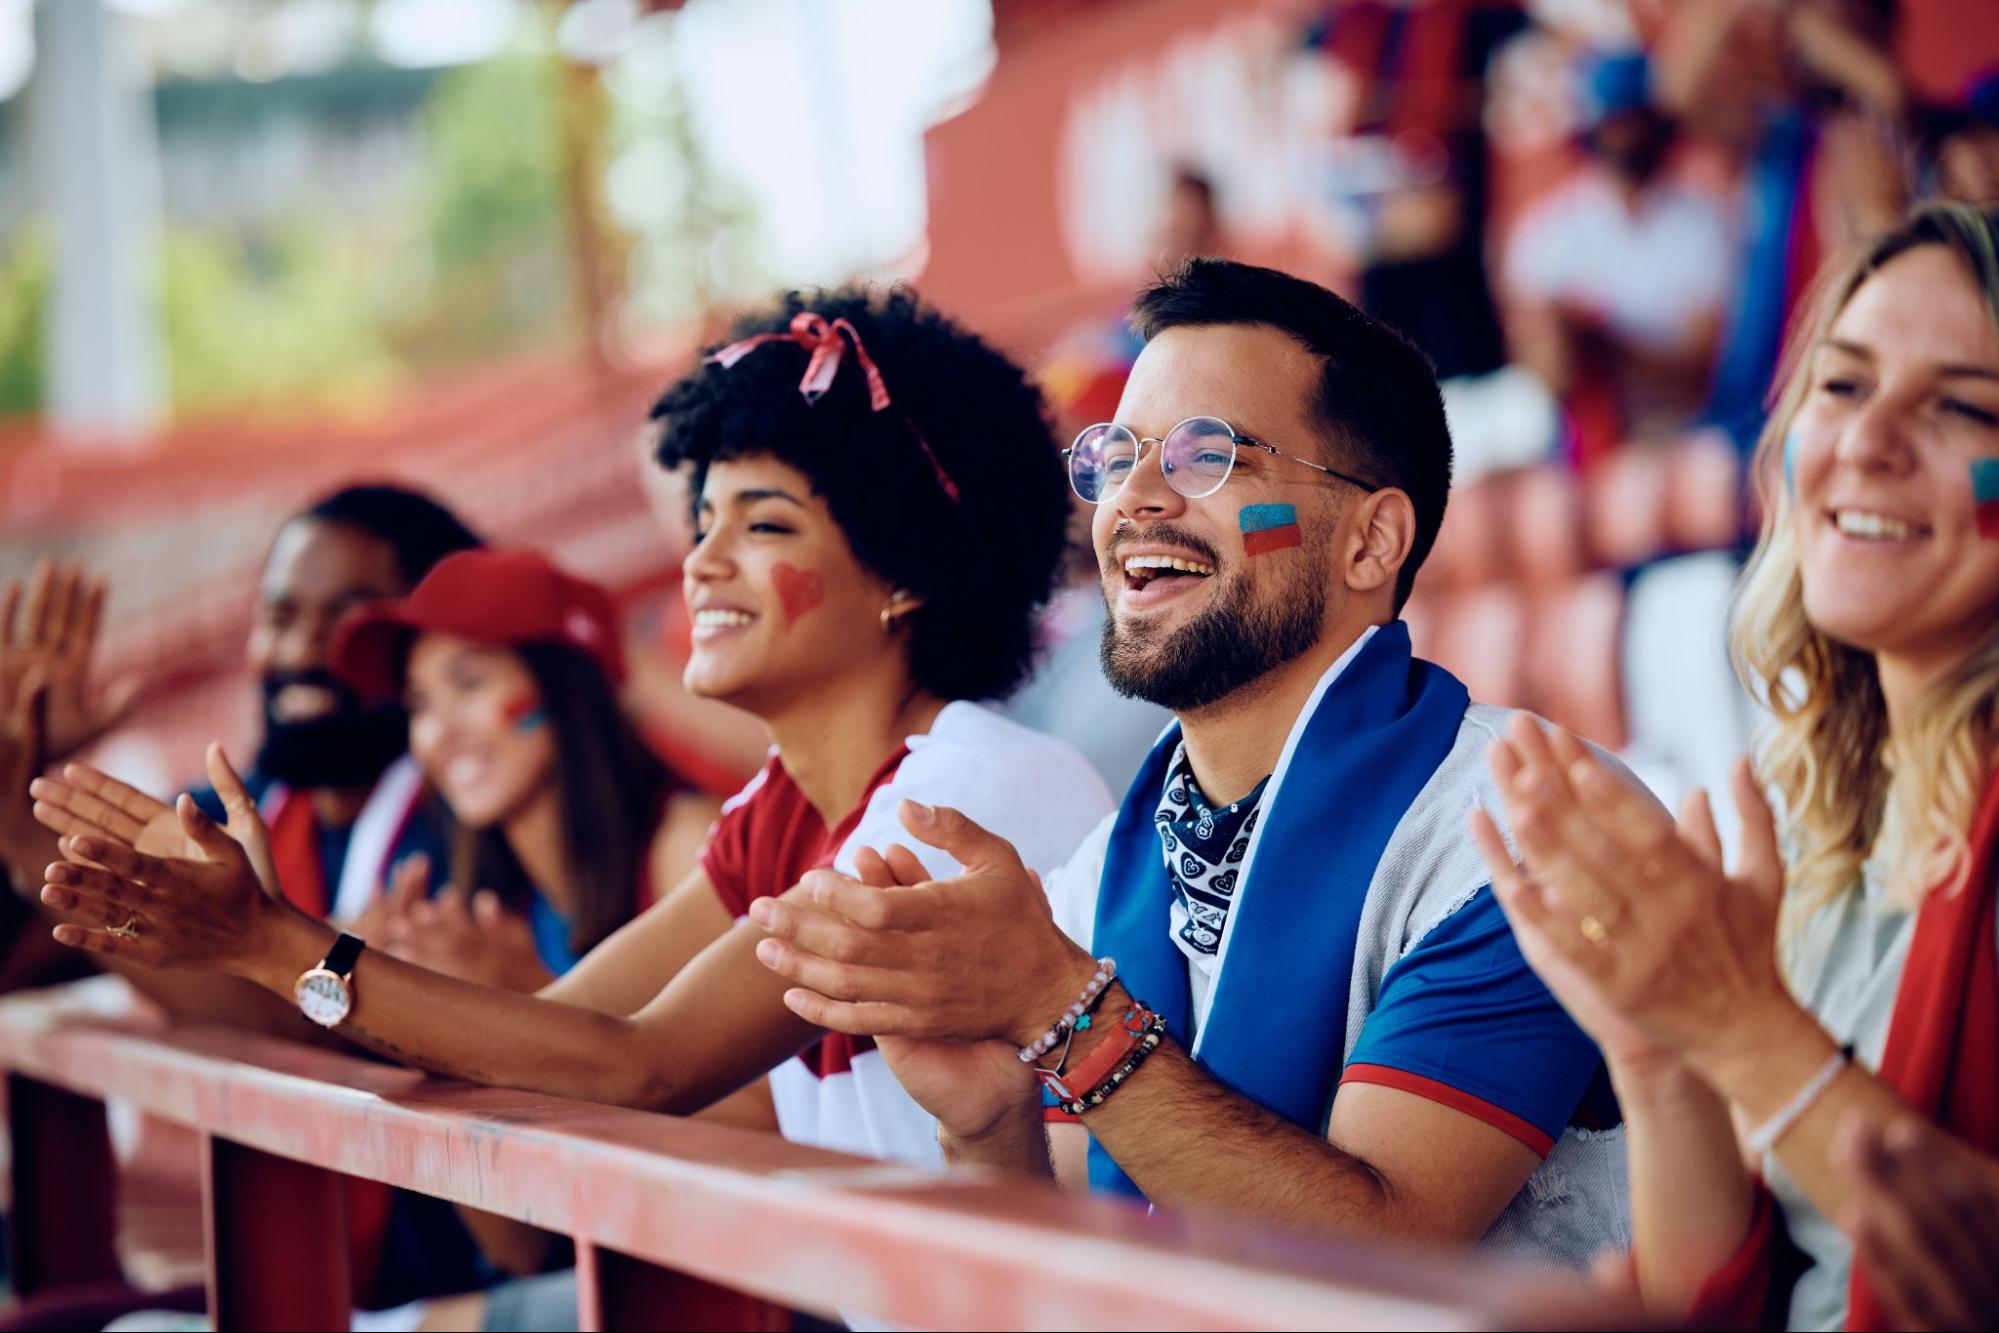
1985, 494
798, 589
526, 713
1267, 528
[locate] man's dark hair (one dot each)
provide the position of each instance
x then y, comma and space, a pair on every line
1377, 397
419, 529
982, 564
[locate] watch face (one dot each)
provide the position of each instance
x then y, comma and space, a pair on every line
324, 997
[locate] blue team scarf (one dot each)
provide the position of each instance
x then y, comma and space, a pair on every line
1276, 1024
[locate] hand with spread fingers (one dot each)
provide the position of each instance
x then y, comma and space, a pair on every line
198, 899
24, 844
472, 937
1629, 919
89, 802
50, 628
970, 958
1924, 1217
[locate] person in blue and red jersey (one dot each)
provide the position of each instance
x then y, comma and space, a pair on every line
1337, 1030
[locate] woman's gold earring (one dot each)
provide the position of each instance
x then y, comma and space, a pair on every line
888, 620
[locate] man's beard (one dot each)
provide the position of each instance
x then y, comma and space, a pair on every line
343, 750
1232, 644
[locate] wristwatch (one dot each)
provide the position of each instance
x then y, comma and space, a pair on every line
324, 993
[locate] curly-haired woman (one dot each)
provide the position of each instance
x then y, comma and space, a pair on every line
873, 541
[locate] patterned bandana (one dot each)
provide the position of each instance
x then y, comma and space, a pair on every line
1203, 846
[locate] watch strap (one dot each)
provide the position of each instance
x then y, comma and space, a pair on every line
341, 957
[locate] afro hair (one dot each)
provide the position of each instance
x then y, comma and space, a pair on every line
982, 564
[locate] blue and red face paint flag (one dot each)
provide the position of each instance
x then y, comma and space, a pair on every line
1985, 495
1268, 528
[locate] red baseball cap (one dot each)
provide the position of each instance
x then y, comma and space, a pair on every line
488, 596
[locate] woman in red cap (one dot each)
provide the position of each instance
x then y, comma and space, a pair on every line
563, 821
881, 508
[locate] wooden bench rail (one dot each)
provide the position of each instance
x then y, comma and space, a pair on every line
666, 1212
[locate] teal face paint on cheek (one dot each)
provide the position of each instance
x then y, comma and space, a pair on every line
526, 713
1985, 495
1791, 464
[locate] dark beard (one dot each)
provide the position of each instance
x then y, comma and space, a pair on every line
344, 751
1232, 644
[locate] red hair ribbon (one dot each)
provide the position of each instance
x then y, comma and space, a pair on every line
822, 339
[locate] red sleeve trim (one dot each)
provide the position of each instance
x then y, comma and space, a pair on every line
1455, 1098
728, 889
1737, 1294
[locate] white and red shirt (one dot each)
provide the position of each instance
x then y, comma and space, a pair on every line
1036, 791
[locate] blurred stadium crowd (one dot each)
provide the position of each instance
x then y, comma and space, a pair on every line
1597, 218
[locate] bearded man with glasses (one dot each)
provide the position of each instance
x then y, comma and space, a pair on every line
1276, 981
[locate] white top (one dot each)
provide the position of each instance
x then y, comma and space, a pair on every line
1649, 271
1845, 965
1037, 792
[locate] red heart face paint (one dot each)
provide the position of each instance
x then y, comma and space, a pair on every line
798, 589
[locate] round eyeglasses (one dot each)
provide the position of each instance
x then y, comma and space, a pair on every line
1195, 457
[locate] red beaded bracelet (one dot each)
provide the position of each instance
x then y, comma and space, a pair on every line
1155, 1032
1099, 1064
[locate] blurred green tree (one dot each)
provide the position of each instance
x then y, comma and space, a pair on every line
24, 280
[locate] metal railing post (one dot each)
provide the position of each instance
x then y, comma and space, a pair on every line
276, 1236
63, 1225
615, 1292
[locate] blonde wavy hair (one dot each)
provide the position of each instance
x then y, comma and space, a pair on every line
1849, 788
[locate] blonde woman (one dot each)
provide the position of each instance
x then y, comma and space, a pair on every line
1869, 620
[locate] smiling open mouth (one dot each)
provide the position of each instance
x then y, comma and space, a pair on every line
1143, 571
1864, 526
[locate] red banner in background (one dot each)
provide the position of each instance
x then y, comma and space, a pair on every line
1045, 193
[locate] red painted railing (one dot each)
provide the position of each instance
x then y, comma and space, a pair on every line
674, 1220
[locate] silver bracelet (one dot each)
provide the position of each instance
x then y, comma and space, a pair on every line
1764, 1137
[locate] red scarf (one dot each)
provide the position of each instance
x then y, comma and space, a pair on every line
1943, 1044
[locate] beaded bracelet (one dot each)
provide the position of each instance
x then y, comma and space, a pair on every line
1081, 1024
1112, 1051
1072, 1016
1155, 1032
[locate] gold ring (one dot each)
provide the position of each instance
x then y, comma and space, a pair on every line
129, 930
1593, 930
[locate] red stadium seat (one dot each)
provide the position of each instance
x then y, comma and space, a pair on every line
1469, 547
1544, 525
1628, 506
1572, 653
1479, 636
1704, 509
